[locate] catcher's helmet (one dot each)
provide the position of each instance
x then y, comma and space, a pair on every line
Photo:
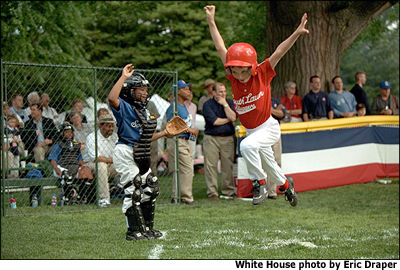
62, 128
241, 55
65, 126
137, 80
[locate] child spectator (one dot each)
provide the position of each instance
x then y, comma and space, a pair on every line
12, 140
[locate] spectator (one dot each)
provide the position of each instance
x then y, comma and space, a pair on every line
343, 103
360, 94
208, 84
7, 112
104, 111
81, 130
39, 133
33, 98
278, 111
218, 142
292, 103
105, 147
184, 151
17, 102
192, 109
11, 143
66, 159
361, 110
385, 103
48, 111
316, 104
77, 106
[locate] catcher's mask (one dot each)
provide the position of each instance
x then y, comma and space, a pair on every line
241, 55
137, 80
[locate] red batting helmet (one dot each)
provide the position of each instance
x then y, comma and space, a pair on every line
242, 55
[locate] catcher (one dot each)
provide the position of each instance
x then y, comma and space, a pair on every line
136, 130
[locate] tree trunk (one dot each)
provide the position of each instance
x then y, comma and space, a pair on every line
333, 26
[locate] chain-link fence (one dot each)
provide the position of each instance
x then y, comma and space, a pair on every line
44, 167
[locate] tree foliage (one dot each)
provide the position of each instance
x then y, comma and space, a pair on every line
174, 35
43, 32
375, 51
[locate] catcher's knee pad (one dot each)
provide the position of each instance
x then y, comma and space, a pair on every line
153, 183
133, 189
150, 188
137, 181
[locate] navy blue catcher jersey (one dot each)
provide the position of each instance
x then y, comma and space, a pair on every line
128, 122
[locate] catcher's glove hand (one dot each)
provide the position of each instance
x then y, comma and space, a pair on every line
176, 126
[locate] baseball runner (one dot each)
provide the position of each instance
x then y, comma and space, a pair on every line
251, 92
136, 130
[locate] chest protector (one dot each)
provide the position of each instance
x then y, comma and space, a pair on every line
141, 148
69, 156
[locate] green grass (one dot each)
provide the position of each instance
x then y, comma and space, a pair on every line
350, 222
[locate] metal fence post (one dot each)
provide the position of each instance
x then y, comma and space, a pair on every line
176, 163
3, 170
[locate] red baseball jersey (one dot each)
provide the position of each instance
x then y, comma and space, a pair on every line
253, 99
292, 104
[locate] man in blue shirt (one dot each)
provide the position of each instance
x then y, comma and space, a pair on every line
185, 153
344, 103
316, 104
218, 142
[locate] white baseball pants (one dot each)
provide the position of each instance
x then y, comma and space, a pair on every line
257, 152
127, 169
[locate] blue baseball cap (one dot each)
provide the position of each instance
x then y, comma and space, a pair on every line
384, 85
182, 83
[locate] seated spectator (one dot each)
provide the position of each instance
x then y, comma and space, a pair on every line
33, 98
316, 104
278, 112
208, 84
66, 160
104, 111
77, 106
218, 142
81, 130
292, 103
39, 133
385, 103
17, 103
7, 112
48, 111
105, 147
343, 103
11, 143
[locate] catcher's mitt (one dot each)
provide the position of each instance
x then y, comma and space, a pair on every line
176, 126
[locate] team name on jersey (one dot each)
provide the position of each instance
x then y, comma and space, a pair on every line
138, 125
250, 98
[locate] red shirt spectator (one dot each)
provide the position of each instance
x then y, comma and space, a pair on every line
292, 102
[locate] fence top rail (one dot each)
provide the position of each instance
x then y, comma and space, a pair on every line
82, 67
369, 120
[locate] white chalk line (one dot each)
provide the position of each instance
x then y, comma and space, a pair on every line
158, 249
